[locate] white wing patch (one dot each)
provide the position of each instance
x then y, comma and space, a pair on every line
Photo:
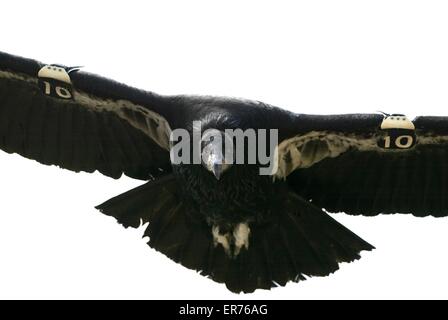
305, 150
149, 122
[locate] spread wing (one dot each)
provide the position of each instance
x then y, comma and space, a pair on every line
80, 121
369, 164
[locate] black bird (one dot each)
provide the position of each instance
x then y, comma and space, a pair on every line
227, 221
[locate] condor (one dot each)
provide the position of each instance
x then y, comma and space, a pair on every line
224, 220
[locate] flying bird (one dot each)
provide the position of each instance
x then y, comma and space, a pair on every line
226, 220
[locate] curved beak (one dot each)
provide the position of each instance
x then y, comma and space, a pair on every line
213, 158
217, 170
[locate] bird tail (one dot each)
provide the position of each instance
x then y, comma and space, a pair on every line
300, 241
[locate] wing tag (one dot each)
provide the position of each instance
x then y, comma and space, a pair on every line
54, 81
399, 133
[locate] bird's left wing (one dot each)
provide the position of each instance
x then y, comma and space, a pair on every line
80, 121
369, 164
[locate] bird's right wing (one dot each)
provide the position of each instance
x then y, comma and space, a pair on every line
80, 121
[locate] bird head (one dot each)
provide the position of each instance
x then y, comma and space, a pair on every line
217, 152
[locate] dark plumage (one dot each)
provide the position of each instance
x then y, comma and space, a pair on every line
226, 221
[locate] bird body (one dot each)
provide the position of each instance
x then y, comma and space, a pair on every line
237, 190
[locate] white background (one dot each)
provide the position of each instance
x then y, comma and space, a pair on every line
309, 56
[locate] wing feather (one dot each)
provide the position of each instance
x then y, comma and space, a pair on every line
107, 127
355, 175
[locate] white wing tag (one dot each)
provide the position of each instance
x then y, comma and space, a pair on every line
55, 82
399, 133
